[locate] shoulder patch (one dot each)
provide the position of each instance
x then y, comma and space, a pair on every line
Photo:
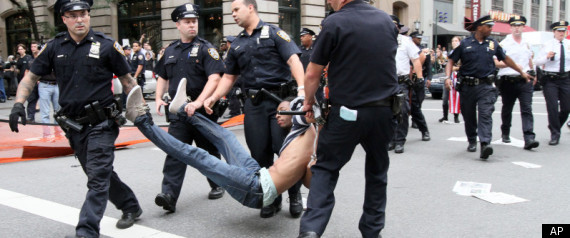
214, 53
118, 47
284, 35
140, 57
43, 48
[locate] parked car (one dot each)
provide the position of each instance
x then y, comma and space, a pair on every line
150, 83
437, 84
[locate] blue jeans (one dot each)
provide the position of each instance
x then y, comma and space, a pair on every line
48, 94
2, 90
239, 176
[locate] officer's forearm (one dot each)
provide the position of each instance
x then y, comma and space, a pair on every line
449, 67
161, 87
296, 69
312, 79
225, 85
26, 87
211, 85
417, 67
139, 70
500, 64
128, 83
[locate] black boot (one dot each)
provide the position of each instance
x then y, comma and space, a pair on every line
456, 117
445, 113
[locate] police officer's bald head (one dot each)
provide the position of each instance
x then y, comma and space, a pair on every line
249, 2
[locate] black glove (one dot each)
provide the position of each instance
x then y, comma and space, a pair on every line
18, 111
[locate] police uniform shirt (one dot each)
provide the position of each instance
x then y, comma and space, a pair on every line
519, 52
195, 61
407, 51
261, 58
554, 46
83, 71
477, 58
136, 60
372, 73
305, 55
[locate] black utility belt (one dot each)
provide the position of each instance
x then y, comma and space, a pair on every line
513, 78
554, 75
94, 115
49, 82
386, 102
403, 78
473, 81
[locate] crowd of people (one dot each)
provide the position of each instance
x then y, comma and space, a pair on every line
334, 111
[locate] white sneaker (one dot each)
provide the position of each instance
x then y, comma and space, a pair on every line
180, 98
135, 104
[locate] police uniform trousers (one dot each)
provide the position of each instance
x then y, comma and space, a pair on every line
478, 101
418, 96
94, 146
556, 90
174, 170
263, 135
510, 92
337, 141
401, 129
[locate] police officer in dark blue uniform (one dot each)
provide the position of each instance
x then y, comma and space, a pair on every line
476, 78
265, 57
306, 46
195, 59
419, 88
84, 62
361, 89
137, 63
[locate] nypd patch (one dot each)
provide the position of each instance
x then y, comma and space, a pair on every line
214, 53
284, 35
118, 47
140, 57
42, 50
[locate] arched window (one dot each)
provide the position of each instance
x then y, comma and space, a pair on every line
211, 21
18, 30
290, 18
137, 17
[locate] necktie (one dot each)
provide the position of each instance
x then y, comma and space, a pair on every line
562, 58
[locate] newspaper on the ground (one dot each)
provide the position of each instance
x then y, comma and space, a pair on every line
471, 188
527, 165
500, 198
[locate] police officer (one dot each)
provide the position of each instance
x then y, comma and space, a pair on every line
407, 52
512, 86
306, 46
419, 88
360, 112
476, 77
265, 57
137, 64
555, 56
84, 62
195, 59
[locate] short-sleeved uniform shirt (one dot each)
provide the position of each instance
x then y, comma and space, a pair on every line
407, 51
519, 52
554, 46
83, 70
136, 60
361, 69
305, 55
477, 58
23, 64
261, 58
195, 61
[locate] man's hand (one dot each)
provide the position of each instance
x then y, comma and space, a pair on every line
192, 107
550, 55
527, 77
208, 104
448, 84
428, 83
160, 103
18, 111
308, 107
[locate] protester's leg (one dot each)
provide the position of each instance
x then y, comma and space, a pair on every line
174, 170
203, 143
445, 104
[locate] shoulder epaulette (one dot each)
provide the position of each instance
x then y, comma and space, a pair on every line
173, 43
102, 35
60, 34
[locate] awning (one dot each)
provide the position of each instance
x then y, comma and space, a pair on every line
451, 29
501, 28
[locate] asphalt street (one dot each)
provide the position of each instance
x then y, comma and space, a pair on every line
41, 198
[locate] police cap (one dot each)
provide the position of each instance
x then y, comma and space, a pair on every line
559, 26
484, 20
185, 11
404, 30
396, 20
62, 6
126, 47
517, 21
416, 34
305, 31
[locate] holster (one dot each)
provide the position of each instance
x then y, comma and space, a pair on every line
220, 107
66, 124
459, 84
540, 76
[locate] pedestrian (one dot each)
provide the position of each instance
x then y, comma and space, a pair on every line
476, 77
266, 58
361, 109
451, 98
555, 56
407, 52
88, 114
195, 59
512, 86
10, 76
3, 94
23, 62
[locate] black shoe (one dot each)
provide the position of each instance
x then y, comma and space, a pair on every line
425, 136
528, 145
456, 118
486, 150
391, 146
506, 138
165, 201
128, 219
472, 147
414, 125
554, 142
442, 119
296, 205
399, 149
74, 236
310, 234
216, 193
2, 100
269, 211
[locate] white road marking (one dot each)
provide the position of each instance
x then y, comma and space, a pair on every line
514, 141
496, 112
69, 215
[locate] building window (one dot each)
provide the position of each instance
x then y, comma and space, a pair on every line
137, 17
548, 16
562, 9
518, 7
290, 18
498, 5
534, 14
18, 30
211, 21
